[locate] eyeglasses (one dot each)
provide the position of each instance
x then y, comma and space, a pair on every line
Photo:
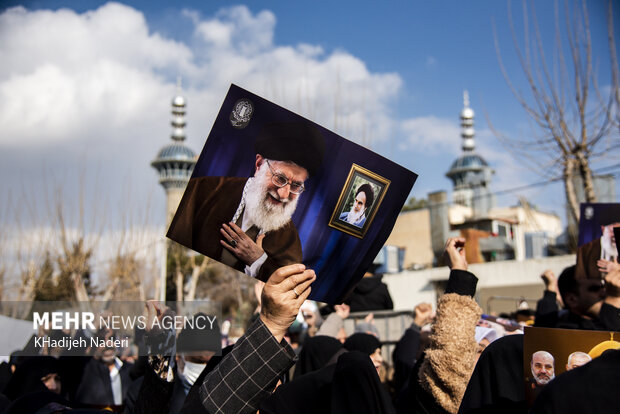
280, 180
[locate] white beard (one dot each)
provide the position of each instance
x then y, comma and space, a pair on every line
265, 215
608, 250
541, 381
352, 217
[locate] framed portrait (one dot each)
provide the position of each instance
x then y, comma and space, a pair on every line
359, 201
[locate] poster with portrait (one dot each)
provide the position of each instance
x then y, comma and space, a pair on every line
271, 188
549, 352
597, 253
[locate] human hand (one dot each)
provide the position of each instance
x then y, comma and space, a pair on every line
283, 294
551, 282
240, 244
454, 252
423, 314
612, 288
343, 310
606, 266
258, 290
155, 311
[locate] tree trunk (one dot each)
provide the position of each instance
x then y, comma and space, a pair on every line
179, 284
569, 188
196, 272
81, 295
573, 203
109, 292
586, 174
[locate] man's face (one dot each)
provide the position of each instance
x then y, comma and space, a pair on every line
577, 361
278, 196
608, 231
359, 205
270, 203
608, 241
591, 293
108, 356
542, 368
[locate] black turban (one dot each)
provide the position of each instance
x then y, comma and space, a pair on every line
370, 195
609, 216
297, 142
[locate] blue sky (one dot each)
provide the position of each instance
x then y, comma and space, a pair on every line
86, 90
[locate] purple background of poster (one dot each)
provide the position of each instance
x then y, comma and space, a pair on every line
589, 228
339, 259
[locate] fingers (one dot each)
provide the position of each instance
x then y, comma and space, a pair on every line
228, 232
296, 279
301, 288
613, 277
455, 253
455, 242
304, 295
259, 240
153, 307
236, 229
284, 272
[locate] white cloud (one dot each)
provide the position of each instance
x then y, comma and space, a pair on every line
104, 74
433, 135
88, 96
236, 27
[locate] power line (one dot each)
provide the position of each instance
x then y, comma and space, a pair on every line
537, 184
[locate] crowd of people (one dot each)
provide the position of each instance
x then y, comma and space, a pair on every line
452, 359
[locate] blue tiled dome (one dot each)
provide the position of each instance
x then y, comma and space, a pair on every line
468, 162
176, 152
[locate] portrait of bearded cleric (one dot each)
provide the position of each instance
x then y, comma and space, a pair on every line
268, 190
246, 223
597, 254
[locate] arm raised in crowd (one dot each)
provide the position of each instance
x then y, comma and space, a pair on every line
250, 372
449, 360
332, 325
551, 296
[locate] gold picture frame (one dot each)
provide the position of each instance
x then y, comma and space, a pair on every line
364, 188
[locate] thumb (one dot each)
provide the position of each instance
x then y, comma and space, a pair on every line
259, 240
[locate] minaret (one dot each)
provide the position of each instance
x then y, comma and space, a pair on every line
470, 173
175, 162
467, 125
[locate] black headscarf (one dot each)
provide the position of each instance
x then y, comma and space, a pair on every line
356, 387
591, 388
349, 386
316, 353
306, 394
362, 342
497, 383
27, 376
